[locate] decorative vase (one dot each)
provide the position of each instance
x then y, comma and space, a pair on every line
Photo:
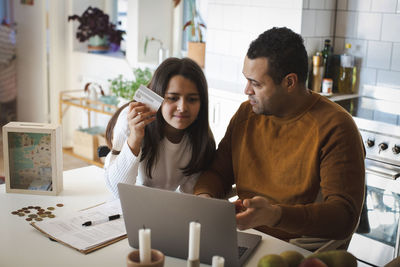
98, 44
114, 47
197, 51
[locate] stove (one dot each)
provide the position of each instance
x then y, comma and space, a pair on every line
376, 112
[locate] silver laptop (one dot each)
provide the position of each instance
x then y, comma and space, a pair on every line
168, 215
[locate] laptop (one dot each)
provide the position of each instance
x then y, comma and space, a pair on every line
168, 214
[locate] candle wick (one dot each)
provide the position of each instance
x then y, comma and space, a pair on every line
144, 227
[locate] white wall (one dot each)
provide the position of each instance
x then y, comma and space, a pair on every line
32, 87
57, 57
232, 25
373, 29
317, 24
151, 18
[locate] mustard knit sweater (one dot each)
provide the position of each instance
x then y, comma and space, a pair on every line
289, 161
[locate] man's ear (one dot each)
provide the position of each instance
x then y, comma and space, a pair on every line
290, 81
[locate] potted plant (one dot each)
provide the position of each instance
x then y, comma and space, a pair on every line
196, 44
95, 27
125, 89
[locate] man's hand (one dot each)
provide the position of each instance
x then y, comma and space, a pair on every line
257, 211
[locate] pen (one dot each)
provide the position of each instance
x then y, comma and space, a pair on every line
109, 218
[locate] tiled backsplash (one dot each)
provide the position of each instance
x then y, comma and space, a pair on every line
317, 24
232, 25
371, 26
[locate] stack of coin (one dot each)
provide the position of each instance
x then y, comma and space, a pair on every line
39, 215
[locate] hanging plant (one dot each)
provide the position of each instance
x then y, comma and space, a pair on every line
195, 23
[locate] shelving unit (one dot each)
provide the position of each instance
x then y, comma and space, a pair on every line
76, 98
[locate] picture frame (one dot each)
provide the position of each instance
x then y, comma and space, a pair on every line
33, 158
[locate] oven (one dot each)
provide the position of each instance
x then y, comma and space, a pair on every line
377, 116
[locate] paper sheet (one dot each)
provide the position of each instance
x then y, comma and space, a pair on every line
69, 229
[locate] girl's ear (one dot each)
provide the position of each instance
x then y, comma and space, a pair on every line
290, 82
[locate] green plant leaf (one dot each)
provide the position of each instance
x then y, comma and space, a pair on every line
146, 42
127, 88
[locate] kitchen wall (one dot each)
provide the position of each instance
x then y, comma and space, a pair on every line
372, 27
317, 23
232, 25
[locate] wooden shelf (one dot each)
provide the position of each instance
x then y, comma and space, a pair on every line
69, 151
77, 98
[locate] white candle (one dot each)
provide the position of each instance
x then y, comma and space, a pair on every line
145, 245
194, 241
218, 261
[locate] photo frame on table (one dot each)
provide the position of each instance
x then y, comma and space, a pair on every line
33, 158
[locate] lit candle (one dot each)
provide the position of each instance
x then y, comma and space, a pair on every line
218, 261
194, 241
145, 245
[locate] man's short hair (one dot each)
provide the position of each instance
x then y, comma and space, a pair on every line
285, 52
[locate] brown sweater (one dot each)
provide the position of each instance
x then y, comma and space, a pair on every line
288, 161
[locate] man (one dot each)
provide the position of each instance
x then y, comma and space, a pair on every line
297, 158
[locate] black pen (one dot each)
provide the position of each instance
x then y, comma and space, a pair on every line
109, 218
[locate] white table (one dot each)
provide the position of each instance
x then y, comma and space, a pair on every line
23, 245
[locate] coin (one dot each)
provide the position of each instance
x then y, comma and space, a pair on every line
50, 208
38, 219
30, 207
37, 207
28, 219
43, 215
20, 214
14, 212
27, 211
60, 205
32, 216
51, 216
47, 212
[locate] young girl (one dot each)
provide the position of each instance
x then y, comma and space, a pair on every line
167, 148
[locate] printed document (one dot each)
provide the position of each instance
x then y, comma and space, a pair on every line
69, 229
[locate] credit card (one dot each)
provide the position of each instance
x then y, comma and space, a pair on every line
148, 97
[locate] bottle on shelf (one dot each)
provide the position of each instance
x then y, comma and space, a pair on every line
326, 55
347, 72
327, 81
317, 72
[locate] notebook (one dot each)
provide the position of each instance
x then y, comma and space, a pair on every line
168, 214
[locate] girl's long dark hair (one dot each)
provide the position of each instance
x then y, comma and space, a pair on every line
199, 132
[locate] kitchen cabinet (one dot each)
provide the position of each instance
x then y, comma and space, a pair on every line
222, 106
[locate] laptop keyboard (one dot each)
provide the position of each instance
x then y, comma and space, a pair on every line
242, 250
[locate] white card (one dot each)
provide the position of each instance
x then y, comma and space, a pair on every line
148, 97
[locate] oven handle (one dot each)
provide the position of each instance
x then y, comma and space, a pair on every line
386, 173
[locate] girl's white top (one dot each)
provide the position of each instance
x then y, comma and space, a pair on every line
166, 172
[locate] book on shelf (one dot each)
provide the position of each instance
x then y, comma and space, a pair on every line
69, 230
